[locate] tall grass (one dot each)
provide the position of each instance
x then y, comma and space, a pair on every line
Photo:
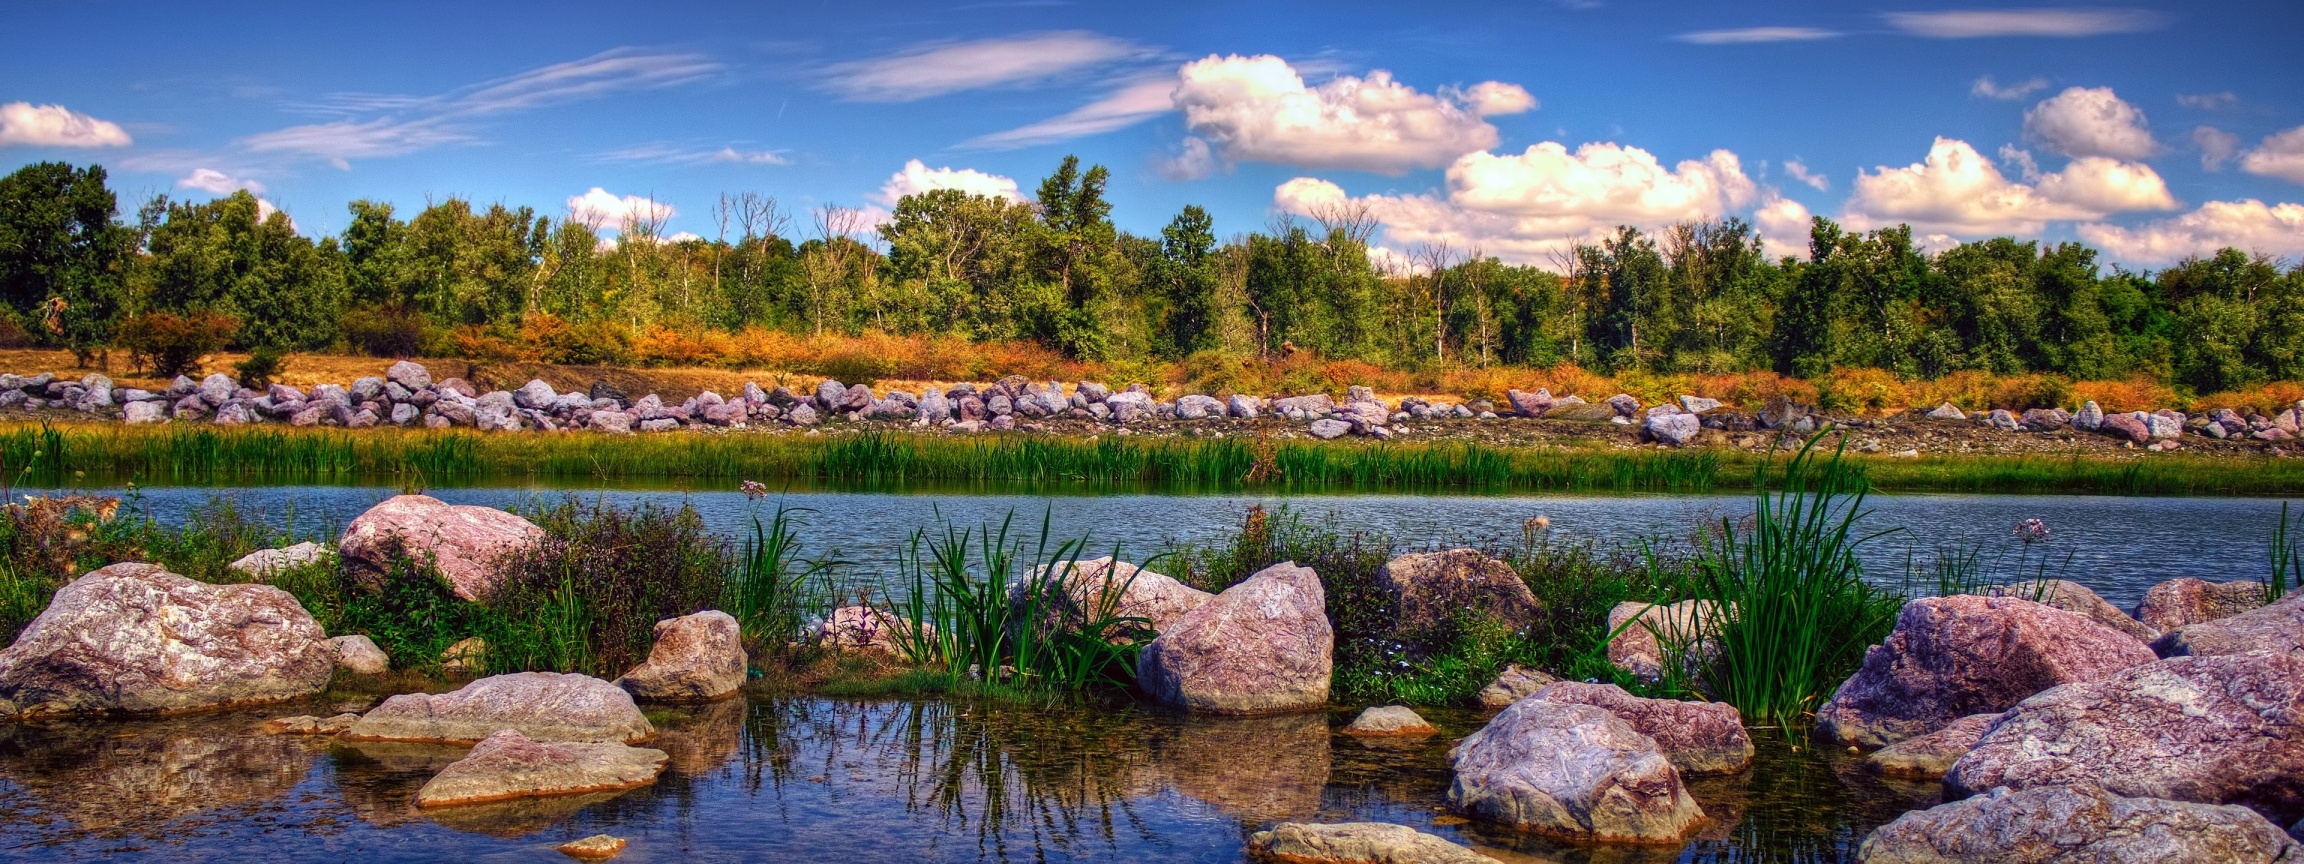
2287, 559
773, 590
976, 604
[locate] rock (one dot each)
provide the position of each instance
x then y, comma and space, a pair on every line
2075, 598
466, 655
216, 389
696, 658
603, 390
1780, 412
2044, 419
2077, 825
308, 725
2278, 627
1195, 406
598, 847
142, 412
508, 765
1950, 657
1390, 721
1635, 647
137, 639
1529, 404
1674, 429
2177, 603
1624, 404
1948, 411
546, 706
2165, 425
1571, 771
404, 413
262, 564
359, 654
409, 374
535, 395
1927, 757
865, 628
1432, 589
366, 389
1356, 843
1514, 684
610, 422
1262, 646
803, 414
2090, 418
2126, 427
1243, 407
2211, 730
1699, 737
1580, 412
1698, 404
1327, 429
661, 424
1141, 594
463, 542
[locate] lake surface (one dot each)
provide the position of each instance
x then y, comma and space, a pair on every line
2119, 546
861, 782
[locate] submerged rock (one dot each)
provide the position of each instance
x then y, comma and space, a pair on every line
1390, 721
2178, 603
1928, 756
547, 706
1357, 843
696, 658
1512, 685
1571, 771
1950, 657
309, 725
2278, 627
508, 765
135, 638
598, 847
1262, 646
2078, 825
1699, 737
463, 542
1430, 589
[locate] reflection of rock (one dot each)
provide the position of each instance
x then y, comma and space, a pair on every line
509, 765
378, 779
133, 775
704, 737
1255, 768
515, 819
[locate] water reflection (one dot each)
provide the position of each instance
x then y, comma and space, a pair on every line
857, 781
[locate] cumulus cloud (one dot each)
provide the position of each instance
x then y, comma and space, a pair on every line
918, 177
1979, 23
1750, 35
1798, 170
2216, 147
1784, 226
1126, 106
2208, 101
949, 67
216, 182
2090, 121
2280, 155
1258, 109
2249, 224
1987, 88
23, 124
1959, 192
605, 210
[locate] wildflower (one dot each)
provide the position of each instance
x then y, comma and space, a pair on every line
2031, 531
754, 489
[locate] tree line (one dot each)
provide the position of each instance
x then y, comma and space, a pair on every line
78, 273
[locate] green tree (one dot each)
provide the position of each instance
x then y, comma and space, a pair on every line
62, 253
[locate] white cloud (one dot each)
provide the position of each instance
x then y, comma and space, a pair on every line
949, 67
2208, 101
1798, 170
676, 155
917, 178
1959, 192
1258, 109
1496, 98
1986, 88
1127, 106
2216, 147
23, 124
606, 211
1193, 161
2090, 121
2249, 225
2280, 155
1750, 35
1977, 23
216, 182
342, 141
1784, 226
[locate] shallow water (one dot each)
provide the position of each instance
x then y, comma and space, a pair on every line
2117, 545
813, 779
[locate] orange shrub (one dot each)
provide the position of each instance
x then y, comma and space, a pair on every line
2134, 394
1862, 391
2265, 399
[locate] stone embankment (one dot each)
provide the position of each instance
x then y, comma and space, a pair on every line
407, 395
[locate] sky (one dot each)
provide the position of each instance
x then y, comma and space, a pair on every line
1510, 129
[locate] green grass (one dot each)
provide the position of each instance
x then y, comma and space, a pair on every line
81, 453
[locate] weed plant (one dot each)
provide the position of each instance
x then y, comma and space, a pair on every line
588, 597
975, 605
2287, 558
774, 591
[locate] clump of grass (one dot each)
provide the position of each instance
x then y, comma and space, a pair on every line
588, 597
2287, 559
773, 591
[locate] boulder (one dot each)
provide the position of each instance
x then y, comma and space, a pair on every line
1514, 684
466, 655
1625, 404
2278, 627
1950, 657
1690, 624
216, 389
1698, 404
463, 542
2090, 417
1571, 771
1262, 646
1927, 757
611, 422
1580, 412
2179, 603
1194, 406
535, 395
2045, 419
1529, 404
359, 654
1432, 589
1356, 843
2077, 599
409, 374
598, 847
2212, 730
864, 628
696, 658
1327, 429
1140, 594
546, 706
2127, 428
1674, 429
262, 564
508, 765
137, 639
1699, 737
2077, 825
141, 412
1242, 407
1390, 721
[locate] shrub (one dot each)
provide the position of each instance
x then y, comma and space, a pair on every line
257, 371
1861, 391
170, 344
384, 331
587, 599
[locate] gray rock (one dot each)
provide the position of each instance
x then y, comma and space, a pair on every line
2044, 419
802, 414
660, 424
1512, 685
2165, 426
1624, 404
262, 564
215, 389
1328, 429
409, 374
1698, 404
1571, 771
534, 395
135, 412
2078, 825
330, 393
1948, 411
831, 394
508, 765
2090, 418
546, 706
1529, 404
1198, 407
1243, 407
611, 422
1674, 429
404, 413
367, 389
359, 654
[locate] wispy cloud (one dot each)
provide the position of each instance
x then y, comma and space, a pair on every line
2068, 22
1130, 104
1987, 88
1798, 170
672, 154
2208, 101
1752, 35
937, 68
342, 141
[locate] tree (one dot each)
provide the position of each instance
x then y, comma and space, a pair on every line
1189, 280
62, 253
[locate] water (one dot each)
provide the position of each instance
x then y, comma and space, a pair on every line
2119, 546
811, 779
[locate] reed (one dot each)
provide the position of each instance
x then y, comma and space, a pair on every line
977, 606
2287, 559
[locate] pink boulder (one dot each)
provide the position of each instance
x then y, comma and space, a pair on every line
1263, 646
463, 542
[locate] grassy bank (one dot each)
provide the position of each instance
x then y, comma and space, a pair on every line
76, 454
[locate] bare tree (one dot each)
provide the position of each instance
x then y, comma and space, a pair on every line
1351, 221
829, 267
1437, 258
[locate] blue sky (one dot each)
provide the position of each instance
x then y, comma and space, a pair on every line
2150, 130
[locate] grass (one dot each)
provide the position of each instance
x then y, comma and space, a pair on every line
2287, 559
69, 454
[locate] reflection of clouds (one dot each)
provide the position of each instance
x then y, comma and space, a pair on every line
137, 777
